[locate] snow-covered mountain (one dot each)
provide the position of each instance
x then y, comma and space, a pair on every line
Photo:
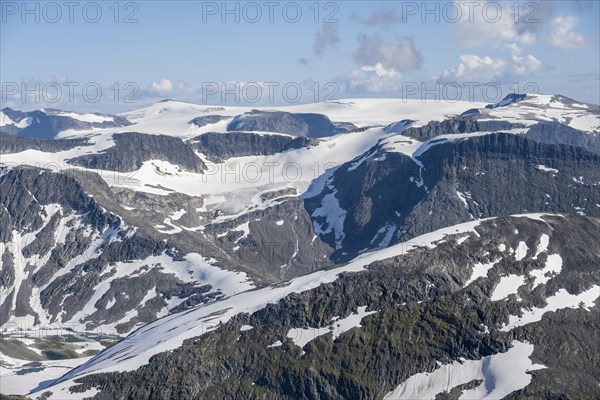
178, 227
47, 123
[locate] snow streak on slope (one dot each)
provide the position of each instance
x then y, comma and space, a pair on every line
302, 336
508, 285
86, 117
560, 300
334, 217
501, 373
194, 269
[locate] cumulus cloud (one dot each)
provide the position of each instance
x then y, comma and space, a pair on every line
473, 68
562, 35
476, 69
521, 66
327, 36
374, 79
401, 56
164, 86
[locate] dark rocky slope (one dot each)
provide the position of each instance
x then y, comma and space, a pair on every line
545, 132
131, 149
207, 120
218, 147
308, 125
16, 144
427, 312
479, 177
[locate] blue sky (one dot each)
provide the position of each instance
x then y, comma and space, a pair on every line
184, 49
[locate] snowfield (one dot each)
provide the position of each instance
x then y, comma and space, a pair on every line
241, 180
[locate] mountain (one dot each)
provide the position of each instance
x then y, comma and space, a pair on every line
509, 99
47, 123
218, 147
391, 194
296, 124
229, 252
500, 292
132, 149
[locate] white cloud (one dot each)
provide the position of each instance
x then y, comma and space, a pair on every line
490, 24
562, 35
521, 66
164, 86
473, 68
401, 56
374, 79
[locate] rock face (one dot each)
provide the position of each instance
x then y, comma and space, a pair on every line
279, 240
452, 182
207, 120
457, 125
547, 132
308, 125
131, 149
269, 244
509, 99
16, 144
218, 147
418, 311
398, 127
47, 123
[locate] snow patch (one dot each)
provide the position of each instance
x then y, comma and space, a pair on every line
562, 299
553, 267
501, 373
546, 169
521, 252
480, 271
508, 285
542, 246
334, 218
302, 336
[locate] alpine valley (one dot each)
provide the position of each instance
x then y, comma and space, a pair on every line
350, 249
